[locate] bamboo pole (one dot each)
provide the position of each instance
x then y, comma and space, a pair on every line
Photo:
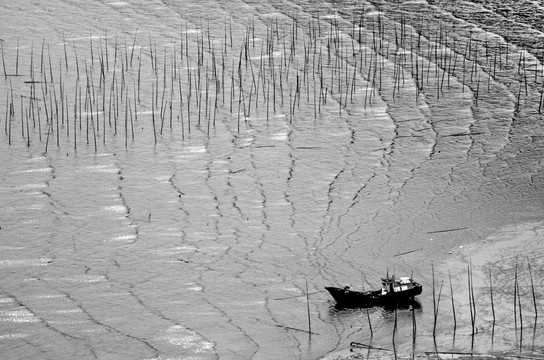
532, 288
435, 309
369, 324
308, 308
515, 301
491, 297
3, 59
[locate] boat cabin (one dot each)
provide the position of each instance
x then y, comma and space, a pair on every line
394, 285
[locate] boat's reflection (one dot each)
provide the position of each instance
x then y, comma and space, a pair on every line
412, 304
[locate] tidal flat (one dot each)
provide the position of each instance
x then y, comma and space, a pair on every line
178, 178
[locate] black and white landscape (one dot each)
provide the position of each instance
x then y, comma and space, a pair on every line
181, 179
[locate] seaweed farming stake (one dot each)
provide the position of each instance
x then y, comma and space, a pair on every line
65, 52
437, 306
308, 308
491, 297
515, 299
414, 331
540, 101
3, 60
133, 45
77, 60
22, 117
394, 332
369, 324
126, 119
532, 288
472, 301
520, 321
17, 60
180, 107
477, 89
92, 53
47, 141
435, 309
153, 113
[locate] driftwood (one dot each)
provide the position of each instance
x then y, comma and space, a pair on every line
408, 252
292, 328
366, 346
447, 230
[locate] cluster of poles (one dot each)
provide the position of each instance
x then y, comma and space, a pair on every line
474, 58
518, 312
278, 67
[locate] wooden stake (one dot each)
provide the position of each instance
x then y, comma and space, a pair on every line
515, 301
532, 288
308, 308
3, 60
369, 324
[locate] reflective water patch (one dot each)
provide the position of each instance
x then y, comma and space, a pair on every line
13, 336
125, 238
18, 316
118, 209
25, 262
194, 287
178, 335
87, 278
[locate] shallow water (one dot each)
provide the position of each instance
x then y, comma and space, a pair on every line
128, 232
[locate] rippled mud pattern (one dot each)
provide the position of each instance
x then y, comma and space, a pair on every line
519, 22
173, 173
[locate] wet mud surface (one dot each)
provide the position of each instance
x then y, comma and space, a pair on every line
174, 173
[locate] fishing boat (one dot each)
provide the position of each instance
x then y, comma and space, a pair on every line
394, 292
